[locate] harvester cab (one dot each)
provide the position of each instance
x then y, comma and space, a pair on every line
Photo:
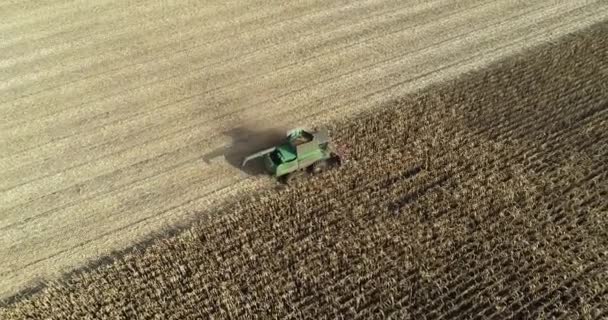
303, 151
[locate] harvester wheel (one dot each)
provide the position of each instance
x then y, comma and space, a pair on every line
335, 160
319, 166
292, 177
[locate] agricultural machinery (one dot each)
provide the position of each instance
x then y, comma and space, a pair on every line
303, 151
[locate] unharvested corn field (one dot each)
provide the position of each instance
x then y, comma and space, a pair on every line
482, 198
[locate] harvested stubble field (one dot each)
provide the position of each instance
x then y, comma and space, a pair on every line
485, 198
108, 107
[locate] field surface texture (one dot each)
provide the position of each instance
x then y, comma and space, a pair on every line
121, 118
484, 197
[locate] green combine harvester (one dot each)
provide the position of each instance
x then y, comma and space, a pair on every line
303, 152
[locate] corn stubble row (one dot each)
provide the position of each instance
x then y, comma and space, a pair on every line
486, 198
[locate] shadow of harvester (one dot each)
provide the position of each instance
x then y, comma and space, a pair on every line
245, 141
